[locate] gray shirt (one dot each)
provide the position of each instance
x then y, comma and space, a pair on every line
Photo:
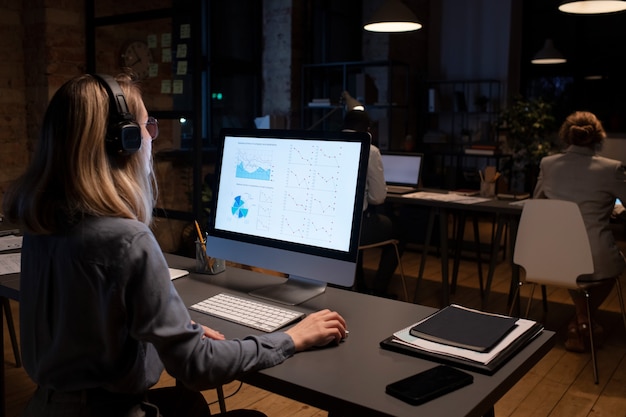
592, 182
98, 309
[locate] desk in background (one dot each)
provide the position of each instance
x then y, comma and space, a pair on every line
350, 379
505, 214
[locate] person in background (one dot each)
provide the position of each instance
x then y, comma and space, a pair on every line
375, 226
100, 319
593, 182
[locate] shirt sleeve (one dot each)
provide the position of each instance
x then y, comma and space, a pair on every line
620, 182
376, 188
160, 317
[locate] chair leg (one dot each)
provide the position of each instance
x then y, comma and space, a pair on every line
620, 296
9, 316
530, 299
479, 260
406, 293
220, 398
544, 298
429, 233
593, 348
594, 358
458, 232
515, 294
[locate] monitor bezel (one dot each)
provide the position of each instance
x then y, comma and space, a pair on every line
250, 241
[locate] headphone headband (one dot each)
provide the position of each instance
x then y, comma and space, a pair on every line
123, 133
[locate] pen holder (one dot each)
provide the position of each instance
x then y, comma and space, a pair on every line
488, 189
205, 264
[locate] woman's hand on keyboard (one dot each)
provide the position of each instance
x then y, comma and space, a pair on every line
210, 333
318, 329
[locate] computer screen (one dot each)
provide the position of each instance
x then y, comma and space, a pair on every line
290, 201
402, 168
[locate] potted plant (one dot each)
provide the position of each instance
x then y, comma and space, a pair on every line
531, 134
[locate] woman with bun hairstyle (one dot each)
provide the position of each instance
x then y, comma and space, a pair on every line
593, 182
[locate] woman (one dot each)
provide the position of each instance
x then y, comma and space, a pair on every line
100, 318
593, 182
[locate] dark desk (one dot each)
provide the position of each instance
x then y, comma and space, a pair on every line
350, 379
505, 214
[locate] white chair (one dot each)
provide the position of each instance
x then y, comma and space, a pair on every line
552, 246
395, 243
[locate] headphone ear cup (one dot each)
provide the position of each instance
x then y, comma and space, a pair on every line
123, 137
123, 133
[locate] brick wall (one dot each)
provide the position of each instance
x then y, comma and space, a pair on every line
278, 60
41, 46
13, 119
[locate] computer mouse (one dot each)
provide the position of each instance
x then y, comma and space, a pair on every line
335, 343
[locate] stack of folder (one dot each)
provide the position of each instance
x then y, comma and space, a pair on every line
465, 337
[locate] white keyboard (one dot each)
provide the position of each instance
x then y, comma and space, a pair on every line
251, 313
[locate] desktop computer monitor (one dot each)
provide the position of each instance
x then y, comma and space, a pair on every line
290, 201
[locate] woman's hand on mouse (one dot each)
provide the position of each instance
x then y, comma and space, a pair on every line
318, 329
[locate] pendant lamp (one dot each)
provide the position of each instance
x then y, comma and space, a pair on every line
548, 55
592, 6
350, 102
393, 16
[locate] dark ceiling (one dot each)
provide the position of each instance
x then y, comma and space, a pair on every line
593, 78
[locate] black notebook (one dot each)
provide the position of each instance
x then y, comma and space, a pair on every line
394, 344
465, 328
522, 333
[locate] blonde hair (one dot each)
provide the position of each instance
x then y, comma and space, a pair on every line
582, 128
71, 174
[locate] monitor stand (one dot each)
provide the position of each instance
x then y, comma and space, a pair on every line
292, 292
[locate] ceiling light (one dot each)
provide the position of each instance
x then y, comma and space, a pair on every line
593, 6
548, 55
393, 16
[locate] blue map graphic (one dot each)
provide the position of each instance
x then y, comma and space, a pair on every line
238, 208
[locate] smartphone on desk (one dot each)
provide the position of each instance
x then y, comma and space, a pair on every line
430, 384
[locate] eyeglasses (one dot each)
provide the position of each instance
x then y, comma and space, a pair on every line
152, 126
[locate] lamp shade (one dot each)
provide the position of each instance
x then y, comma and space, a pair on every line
548, 55
350, 102
592, 6
393, 16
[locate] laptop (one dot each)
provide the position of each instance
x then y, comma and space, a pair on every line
402, 171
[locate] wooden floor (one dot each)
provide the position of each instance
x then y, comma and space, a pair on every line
560, 385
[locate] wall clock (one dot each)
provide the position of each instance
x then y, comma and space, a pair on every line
137, 56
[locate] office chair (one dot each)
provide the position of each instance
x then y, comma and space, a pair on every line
220, 398
395, 243
552, 246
